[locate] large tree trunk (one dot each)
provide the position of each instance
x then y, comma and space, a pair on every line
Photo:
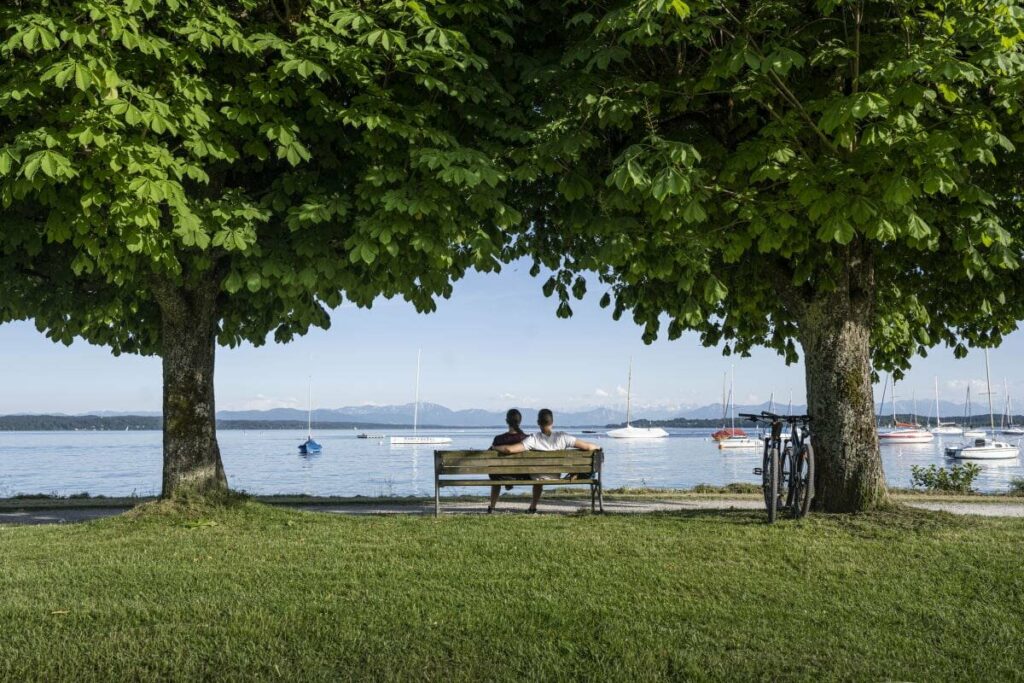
835, 332
192, 463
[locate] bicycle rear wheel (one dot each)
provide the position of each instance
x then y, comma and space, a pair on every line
803, 480
770, 477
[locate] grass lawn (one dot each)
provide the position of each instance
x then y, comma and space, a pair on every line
256, 592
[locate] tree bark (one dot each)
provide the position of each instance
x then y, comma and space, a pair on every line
835, 333
192, 462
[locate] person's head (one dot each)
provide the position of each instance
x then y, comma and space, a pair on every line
513, 419
545, 419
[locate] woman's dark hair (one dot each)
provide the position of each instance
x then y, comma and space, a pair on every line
513, 419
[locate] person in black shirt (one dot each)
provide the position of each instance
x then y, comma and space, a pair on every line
514, 435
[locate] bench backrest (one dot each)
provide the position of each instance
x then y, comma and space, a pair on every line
528, 462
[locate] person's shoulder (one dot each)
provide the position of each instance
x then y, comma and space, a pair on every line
508, 439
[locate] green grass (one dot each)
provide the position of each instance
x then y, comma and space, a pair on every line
257, 592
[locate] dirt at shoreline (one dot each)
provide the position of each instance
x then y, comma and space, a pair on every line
70, 515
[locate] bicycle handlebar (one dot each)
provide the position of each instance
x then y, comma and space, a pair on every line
772, 417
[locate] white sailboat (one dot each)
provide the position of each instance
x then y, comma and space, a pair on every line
310, 447
629, 431
416, 439
903, 432
1008, 428
985, 447
735, 438
940, 427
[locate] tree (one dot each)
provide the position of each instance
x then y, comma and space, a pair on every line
174, 175
840, 176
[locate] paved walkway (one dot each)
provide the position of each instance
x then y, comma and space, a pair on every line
72, 515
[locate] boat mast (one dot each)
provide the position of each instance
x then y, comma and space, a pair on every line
416, 406
790, 410
988, 380
1006, 405
894, 403
725, 405
309, 408
968, 423
938, 422
732, 399
771, 402
881, 403
913, 402
629, 389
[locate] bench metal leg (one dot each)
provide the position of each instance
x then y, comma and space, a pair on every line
437, 497
593, 497
600, 496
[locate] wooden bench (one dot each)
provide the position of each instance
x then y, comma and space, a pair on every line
453, 468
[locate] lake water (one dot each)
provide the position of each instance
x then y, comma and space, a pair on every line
126, 463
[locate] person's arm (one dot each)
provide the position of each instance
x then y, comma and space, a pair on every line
585, 445
510, 449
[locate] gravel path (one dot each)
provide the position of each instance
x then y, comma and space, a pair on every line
73, 515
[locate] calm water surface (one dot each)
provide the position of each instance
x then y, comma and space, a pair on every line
125, 463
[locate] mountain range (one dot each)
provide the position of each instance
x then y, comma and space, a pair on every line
432, 414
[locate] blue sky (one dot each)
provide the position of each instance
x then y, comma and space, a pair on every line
495, 343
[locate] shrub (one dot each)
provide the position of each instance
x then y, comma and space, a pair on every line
1017, 486
957, 479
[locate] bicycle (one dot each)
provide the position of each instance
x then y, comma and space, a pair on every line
787, 469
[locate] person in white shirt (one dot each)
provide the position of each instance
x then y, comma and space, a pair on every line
546, 440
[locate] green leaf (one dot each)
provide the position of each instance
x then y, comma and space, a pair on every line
714, 290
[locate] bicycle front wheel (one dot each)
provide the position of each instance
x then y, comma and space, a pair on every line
803, 477
770, 476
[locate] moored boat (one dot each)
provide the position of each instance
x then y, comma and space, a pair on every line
416, 439
629, 431
943, 428
905, 434
985, 447
731, 437
739, 442
310, 447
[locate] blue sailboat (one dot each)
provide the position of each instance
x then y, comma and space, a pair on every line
310, 447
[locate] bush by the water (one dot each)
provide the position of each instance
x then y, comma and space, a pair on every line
957, 479
1017, 486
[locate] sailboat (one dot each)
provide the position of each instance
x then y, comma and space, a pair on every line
985, 447
940, 427
969, 430
736, 438
310, 447
903, 432
416, 439
727, 432
629, 431
1008, 428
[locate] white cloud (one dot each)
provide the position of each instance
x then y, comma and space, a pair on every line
601, 393
621, 390
507, 396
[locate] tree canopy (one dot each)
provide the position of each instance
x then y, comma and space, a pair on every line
715, 162
343, 151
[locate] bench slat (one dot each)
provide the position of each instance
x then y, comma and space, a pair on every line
515, 482
523, 454
518, 469
514, 460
